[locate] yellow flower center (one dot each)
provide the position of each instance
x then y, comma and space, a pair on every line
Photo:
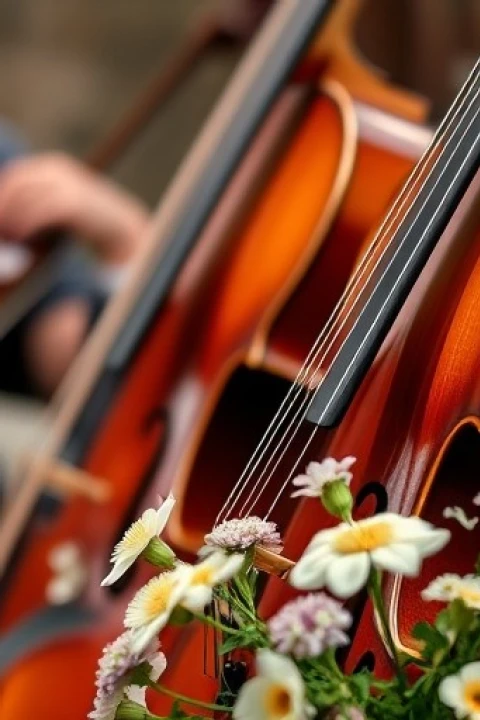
203, 575
362, 538
157, 600
469, 596
277, 702
472, 695
136, 537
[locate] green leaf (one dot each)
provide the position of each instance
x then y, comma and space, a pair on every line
477, 566
456, 618
434, 641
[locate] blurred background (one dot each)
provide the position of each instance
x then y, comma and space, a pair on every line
69, 70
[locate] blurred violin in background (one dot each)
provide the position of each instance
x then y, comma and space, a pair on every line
263, 287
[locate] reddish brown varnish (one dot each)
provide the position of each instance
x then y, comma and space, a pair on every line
219, 359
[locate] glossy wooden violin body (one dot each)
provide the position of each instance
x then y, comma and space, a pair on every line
237, 326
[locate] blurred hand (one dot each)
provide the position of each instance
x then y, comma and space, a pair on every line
48, 191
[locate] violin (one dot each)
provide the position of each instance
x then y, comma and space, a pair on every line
215, 323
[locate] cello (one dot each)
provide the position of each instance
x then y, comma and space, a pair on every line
319, 163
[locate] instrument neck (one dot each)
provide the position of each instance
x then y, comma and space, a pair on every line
405, 242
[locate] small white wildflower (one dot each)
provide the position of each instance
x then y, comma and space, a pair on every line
307, 626
461, 692
276, 693
341, 558
241, 533
150, 609
317, 475
119, 659
476, 499
199, 580
136, 539
458, 514
448, 587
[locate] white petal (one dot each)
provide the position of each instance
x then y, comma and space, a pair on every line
329, 466
470, 672
309, 571
301, 480
306, 492
159, 665
163, 513
149, 522
347, 462
347, 574
250, 702
324, 537
136, 694
197, 597
120, 568
230, 567
144, 635
450, 691
277, 668
401, 558
432, 544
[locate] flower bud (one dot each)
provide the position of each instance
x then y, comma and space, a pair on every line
159, 554
337, 500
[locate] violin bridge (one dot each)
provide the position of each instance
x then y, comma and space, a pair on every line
271, 563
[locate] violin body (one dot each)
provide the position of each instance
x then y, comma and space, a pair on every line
285, 268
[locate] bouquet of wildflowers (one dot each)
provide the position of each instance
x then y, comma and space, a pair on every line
295, 673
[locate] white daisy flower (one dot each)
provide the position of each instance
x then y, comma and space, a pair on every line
277, 693
317, 475
150, 609
115, 666
448, 587
461, 692
199, 580
341, 558
138, 537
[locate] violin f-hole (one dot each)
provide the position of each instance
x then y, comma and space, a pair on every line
374, 490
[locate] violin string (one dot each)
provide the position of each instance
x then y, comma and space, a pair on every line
288, 443
284, 444
405, 194
298, 383
348, 292
372, 326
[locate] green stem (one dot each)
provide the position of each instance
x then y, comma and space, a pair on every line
128, 710
236, 595
207, 620
188, 700
375, 592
